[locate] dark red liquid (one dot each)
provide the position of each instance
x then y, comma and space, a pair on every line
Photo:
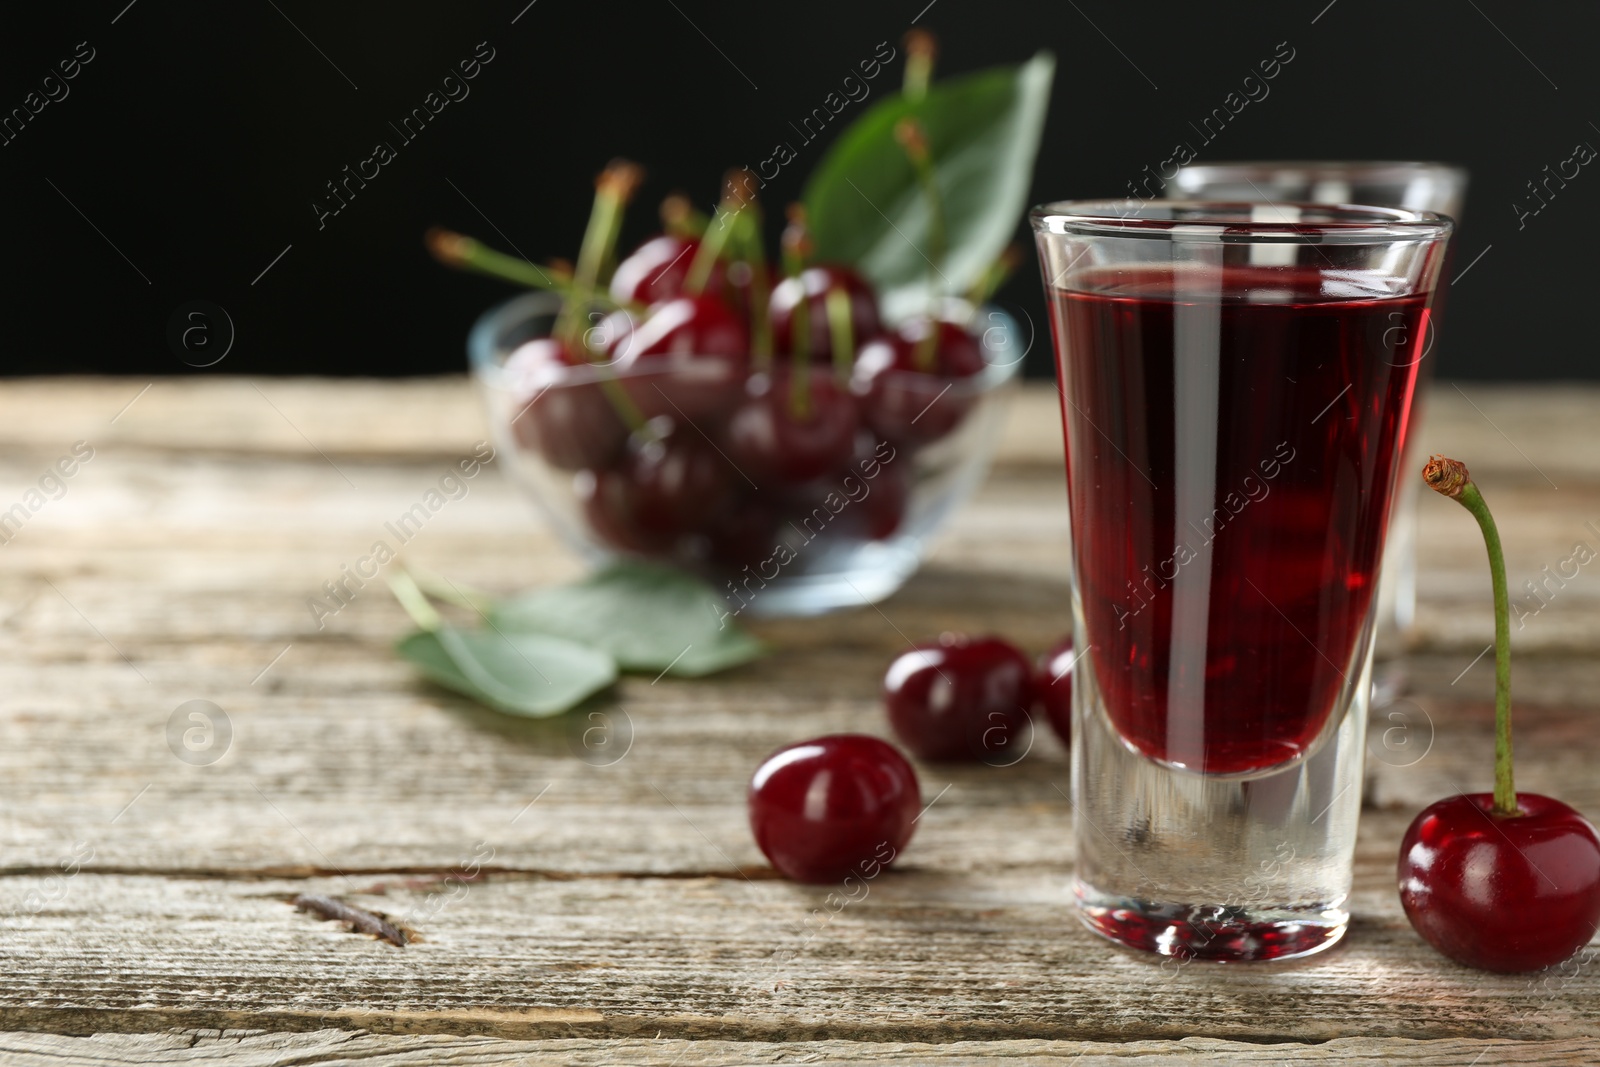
1230, 460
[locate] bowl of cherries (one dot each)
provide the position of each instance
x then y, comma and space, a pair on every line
762, 426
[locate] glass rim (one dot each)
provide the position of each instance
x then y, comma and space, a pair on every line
1236, 221
1331, 166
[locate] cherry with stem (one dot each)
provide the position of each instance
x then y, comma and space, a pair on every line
1504, 881
573, 424
790, 427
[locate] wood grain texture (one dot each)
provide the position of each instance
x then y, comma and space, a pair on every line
347, 1048
619, 894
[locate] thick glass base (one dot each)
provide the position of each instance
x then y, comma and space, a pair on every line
1210, 932
1209, 867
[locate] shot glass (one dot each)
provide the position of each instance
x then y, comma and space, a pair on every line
1235, 387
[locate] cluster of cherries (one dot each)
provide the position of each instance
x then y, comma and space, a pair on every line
707, 410
824, 809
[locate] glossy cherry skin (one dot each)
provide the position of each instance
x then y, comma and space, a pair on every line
664, 490
910, 404
962, 698
883, 511
1052, 688
687, 357
657, 269
877, 485
817, 282
679, 326
1502, 893
834, 807
769, 442
560, 410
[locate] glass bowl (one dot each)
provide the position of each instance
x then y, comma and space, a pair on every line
848, 538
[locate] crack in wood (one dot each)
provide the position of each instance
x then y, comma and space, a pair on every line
360, 920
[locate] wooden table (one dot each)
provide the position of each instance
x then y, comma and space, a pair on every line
621, 913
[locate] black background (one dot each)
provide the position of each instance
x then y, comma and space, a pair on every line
197, 139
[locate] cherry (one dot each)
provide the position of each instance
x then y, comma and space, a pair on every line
560, 409
1502, 892
816, 283
836, 806
907, 402
688, 357
769, 438
747, 534
679, 327
1505, 881
878, 488
963, 698
666, 488
883, 510
657, 269
1052, 688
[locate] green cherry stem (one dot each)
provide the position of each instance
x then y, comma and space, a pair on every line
451, 592
723, 235
921, 50
612, 190
750, 231
414, 600
842, 332
465, 253
909, 133
994, 276
1449, 477
796, 249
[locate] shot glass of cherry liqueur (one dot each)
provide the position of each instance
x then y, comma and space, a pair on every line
1235, 398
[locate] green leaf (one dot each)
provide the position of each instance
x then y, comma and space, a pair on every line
863, 204
649, 617
518, 673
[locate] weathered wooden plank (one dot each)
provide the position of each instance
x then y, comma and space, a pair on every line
923, 956
346, 1048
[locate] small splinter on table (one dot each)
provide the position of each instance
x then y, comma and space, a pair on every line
360, 921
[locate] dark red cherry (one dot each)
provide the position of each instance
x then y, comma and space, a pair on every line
657, 269
817, 282
1502, 893
560, 410
884, 509
679, 327
962, 698
687, 357
878, 485
769, 440
887, 471
907, 402
746, 534
834, 807
1052, 688
667, 488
